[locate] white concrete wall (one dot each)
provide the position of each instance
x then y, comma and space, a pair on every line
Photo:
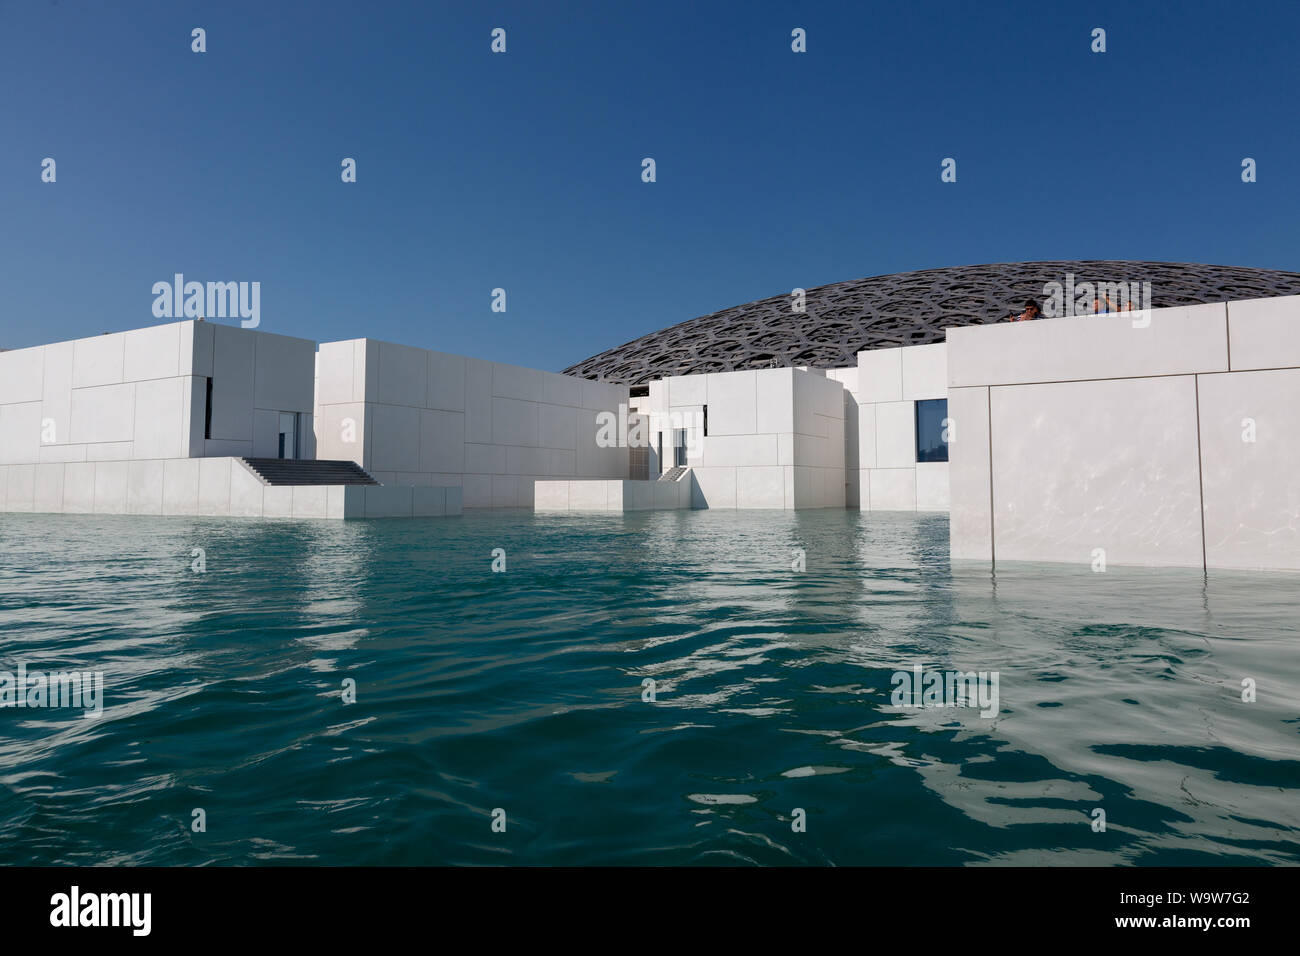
415, 417
848, 378
889, 384
775, 437
1164, 445
612, 495
140, 395
222, 487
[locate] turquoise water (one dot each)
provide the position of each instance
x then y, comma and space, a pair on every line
522, 691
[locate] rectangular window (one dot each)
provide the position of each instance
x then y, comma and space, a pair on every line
659, 455
706, 421
679, 447
207, 411
932, 430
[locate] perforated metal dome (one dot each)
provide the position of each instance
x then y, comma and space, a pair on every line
908, 308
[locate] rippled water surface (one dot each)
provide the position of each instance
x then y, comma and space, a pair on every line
523, 691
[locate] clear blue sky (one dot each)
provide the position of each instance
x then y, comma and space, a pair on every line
523, 170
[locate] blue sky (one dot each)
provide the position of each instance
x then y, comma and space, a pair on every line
523, 170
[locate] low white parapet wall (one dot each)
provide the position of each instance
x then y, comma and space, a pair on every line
1163, 439
217, 487
612, 495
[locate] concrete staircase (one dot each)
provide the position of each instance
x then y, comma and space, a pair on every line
673, 474
288, 471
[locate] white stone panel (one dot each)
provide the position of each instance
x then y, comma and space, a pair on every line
1189, 339
925, 371
514, 381
159, 430
557, 426
20, 433
214, 485
514, 422
232, 383
551, 496
527, 461
446, 381
103, 414
47, 489
880, 376
52, 453
932, 486
1079, 466
79, 488
1252, 494
403, 375
21, 375
382, 502
109, 451
428, 502
56, 393
335, 424
1265, 333
144, 494
335, 366
110, 486
442, 441
277, 501
740, 450
246, 491
311, 501
776, 399
266, 434
150, 353
478, 401
180, 486
197, 349
893, 489
395, 438
98, 361
20, 493
970, 529
477, 491
714, 488
896, 435
689, 389
867, 436
760, 487
285, 370
561, 390
733, 403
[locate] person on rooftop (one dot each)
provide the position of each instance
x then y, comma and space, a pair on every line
1032, 311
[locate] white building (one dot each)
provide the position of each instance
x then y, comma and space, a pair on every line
1156, 438
411, 416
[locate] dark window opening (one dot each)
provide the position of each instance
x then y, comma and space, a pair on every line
659, 455
706, 421
679, 447
207, 411
932, 430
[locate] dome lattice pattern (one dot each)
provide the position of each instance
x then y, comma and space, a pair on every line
909, 308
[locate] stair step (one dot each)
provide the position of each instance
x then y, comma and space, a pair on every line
290, 471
